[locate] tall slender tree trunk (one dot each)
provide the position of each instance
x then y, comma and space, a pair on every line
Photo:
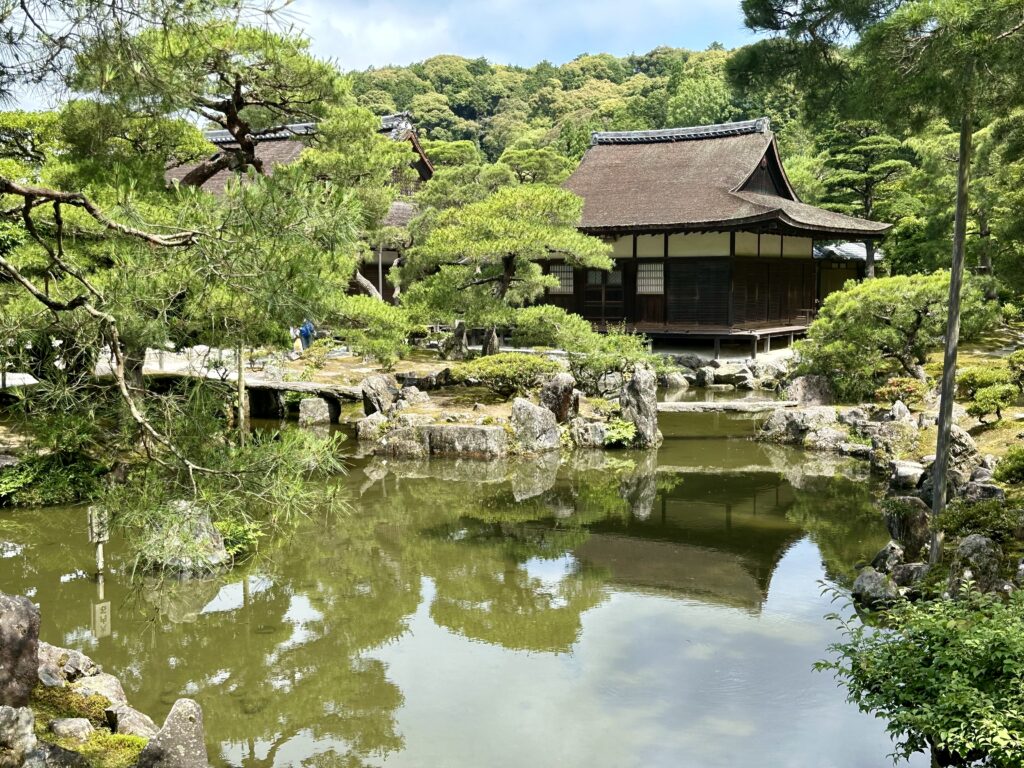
869, 260
956, 278
240, 395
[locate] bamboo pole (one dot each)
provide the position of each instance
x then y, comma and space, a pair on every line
956, 277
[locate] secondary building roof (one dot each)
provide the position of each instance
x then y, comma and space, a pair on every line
722, 177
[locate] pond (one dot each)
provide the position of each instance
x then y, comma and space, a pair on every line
617, 610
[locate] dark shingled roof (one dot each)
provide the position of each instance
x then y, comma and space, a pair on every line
271, 152
698, 179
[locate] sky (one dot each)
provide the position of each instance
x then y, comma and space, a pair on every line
357, 34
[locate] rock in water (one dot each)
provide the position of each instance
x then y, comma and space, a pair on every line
890, 556
905, 475
17, 735
317, 410
909, 522
977, 559
639, 402
181, 743
874, 589
371, 428
535, 428
676, 381
19, 649
185, 543
379, 393
559, 396
587, 434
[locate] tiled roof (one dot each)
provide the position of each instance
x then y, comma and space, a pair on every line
698, 179
692, 133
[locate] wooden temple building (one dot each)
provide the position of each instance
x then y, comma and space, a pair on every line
710, 240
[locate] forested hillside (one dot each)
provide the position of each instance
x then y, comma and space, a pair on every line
536, 122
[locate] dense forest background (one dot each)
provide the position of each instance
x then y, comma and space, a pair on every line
536, 121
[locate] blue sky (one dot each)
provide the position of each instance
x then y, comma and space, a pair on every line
361, 33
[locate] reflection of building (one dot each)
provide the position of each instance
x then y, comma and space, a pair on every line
716, 538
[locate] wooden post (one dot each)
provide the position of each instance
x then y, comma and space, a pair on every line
718, 347
240, 394
956, 277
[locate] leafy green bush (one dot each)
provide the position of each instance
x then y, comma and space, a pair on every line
1011, 313
591, 354
910, 391
374, 328
993, 518
876, 329
316, 355
1010, 468
975, 377
946, 675
46, 481
619, 433
241, 536
507, 373
993, 399
1015, 364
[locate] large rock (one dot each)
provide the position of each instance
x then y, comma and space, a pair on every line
19, 649
184, 543
559, 395
483, 442
318, 410
909, 574
793, 426
874, 589
964, 459
64, 664
587, 434
977, 559
127, 721
976, 491
379, 393
534, 427
890, 556
17, 736
810, 390
908, 520
705, 376
370, 428
736, 374
456, 346
103, 684
905, 475
180, 743
639, 403
676, 381
413, 396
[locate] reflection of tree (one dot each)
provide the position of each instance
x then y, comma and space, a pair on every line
842, 518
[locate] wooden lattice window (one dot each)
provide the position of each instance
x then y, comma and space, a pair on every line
564, 274
650, 278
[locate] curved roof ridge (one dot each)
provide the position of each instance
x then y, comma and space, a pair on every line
689, 133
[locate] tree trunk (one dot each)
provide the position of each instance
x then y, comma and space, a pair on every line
869, 261
367, 286
241, 395
956, 277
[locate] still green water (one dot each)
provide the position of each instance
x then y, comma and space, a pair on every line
617, 610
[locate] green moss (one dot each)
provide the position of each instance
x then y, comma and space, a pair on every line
110, 750
52, 703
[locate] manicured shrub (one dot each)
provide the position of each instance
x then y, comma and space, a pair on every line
876, 329
1015, 364
992, 399
972, 378
619, 433
995, 519
507, 373
910, 391
945, 675
46, 481
1010, 468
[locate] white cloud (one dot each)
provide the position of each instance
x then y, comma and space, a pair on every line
359, 33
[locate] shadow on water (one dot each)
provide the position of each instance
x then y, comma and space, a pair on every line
364, 640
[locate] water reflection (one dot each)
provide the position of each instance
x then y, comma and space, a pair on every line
618, 609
